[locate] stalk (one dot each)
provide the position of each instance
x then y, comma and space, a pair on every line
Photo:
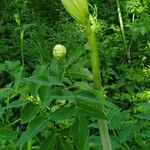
21, 46
29, 145
103, 128
78, 9
128, 53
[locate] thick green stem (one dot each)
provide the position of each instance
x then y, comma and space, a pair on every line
103, 128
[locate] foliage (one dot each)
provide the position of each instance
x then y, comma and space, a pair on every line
51, 104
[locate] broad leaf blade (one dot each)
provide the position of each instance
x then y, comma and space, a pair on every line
128, 131
80, 132
17, 103
7, 134
63, 113
45, 81
36, 126
49, 143
29, 112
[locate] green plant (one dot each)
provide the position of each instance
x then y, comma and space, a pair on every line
52, 103
81, 14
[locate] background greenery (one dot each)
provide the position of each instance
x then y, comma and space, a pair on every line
47, 102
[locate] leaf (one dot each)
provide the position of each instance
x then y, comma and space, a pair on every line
63, 113
87, 103
46, 95
92, 111
103, 99
54, 67
80, 132
29, 112
87, 93
83, 132
74, 55
1, 111
146, 133
41, 70
95, 142
128, 131
5, 92
117, 119
82, 73
45, 81
55, 141
17, 103
83, 86
7, 134
145, 116
49, 143
36, 126
64, 94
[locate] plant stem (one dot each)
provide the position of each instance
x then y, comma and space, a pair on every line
128, 53
29, 145
103, 128
21, 46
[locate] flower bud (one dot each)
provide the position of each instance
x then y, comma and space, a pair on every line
59, 51
78, 9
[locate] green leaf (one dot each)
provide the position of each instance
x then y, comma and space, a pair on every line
17, 103
5, 92
1, 111
7, 134
88, 104
95, 142
128, 131
64, 112
82, 73
117, 119
74, 55
64, 94
29, 112
41, 70
83, 86
49, 143
36, 126
145, 116
45, 81
55, 141
46, 95
80, 132
93, 111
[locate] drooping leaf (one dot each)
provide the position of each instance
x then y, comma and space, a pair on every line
49, 143
45, 81
145, 116
62, 113
7, 134
29, 112
83, 86
82, 73
17, 103
80, 132
34, 127
117, 119
64, 94
128, 131
74, 55
92, 111
88, 104
46, 95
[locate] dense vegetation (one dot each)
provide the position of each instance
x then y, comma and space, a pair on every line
51, 104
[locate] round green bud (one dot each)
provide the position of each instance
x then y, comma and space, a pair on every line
59, 51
